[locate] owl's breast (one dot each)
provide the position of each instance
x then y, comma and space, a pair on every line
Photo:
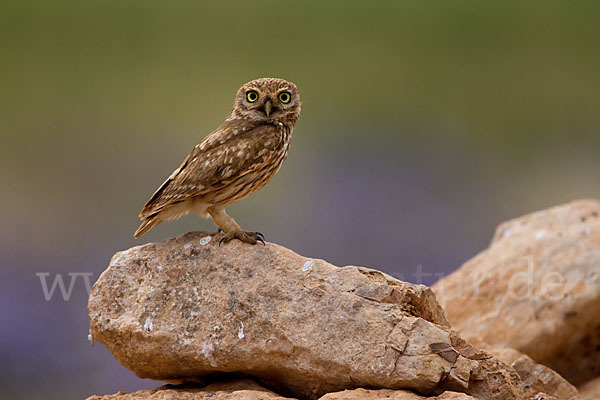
274, 152
285, 137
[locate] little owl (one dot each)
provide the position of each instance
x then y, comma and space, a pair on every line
232, 162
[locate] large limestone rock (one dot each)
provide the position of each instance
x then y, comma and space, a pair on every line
187, 309
242, 389
536, 289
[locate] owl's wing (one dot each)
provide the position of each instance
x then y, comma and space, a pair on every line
231, 151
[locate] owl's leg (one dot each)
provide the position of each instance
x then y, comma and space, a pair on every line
231, 229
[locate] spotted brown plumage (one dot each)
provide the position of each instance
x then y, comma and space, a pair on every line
232, 162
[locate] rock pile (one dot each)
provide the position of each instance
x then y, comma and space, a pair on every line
247, 389
229, 322
536, 289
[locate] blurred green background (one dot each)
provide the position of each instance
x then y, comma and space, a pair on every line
424, 125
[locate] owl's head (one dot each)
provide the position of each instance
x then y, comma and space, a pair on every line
268, 99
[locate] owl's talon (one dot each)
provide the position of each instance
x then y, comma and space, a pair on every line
243, 236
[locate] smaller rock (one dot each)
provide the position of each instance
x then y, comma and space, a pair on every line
590, 390
245, 389
536, 378
383, 394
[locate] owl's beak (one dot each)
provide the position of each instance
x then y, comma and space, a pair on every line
268, 107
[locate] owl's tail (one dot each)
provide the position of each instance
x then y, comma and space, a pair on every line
147, 224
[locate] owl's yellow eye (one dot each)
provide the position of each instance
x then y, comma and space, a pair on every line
285, 97
251, 96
